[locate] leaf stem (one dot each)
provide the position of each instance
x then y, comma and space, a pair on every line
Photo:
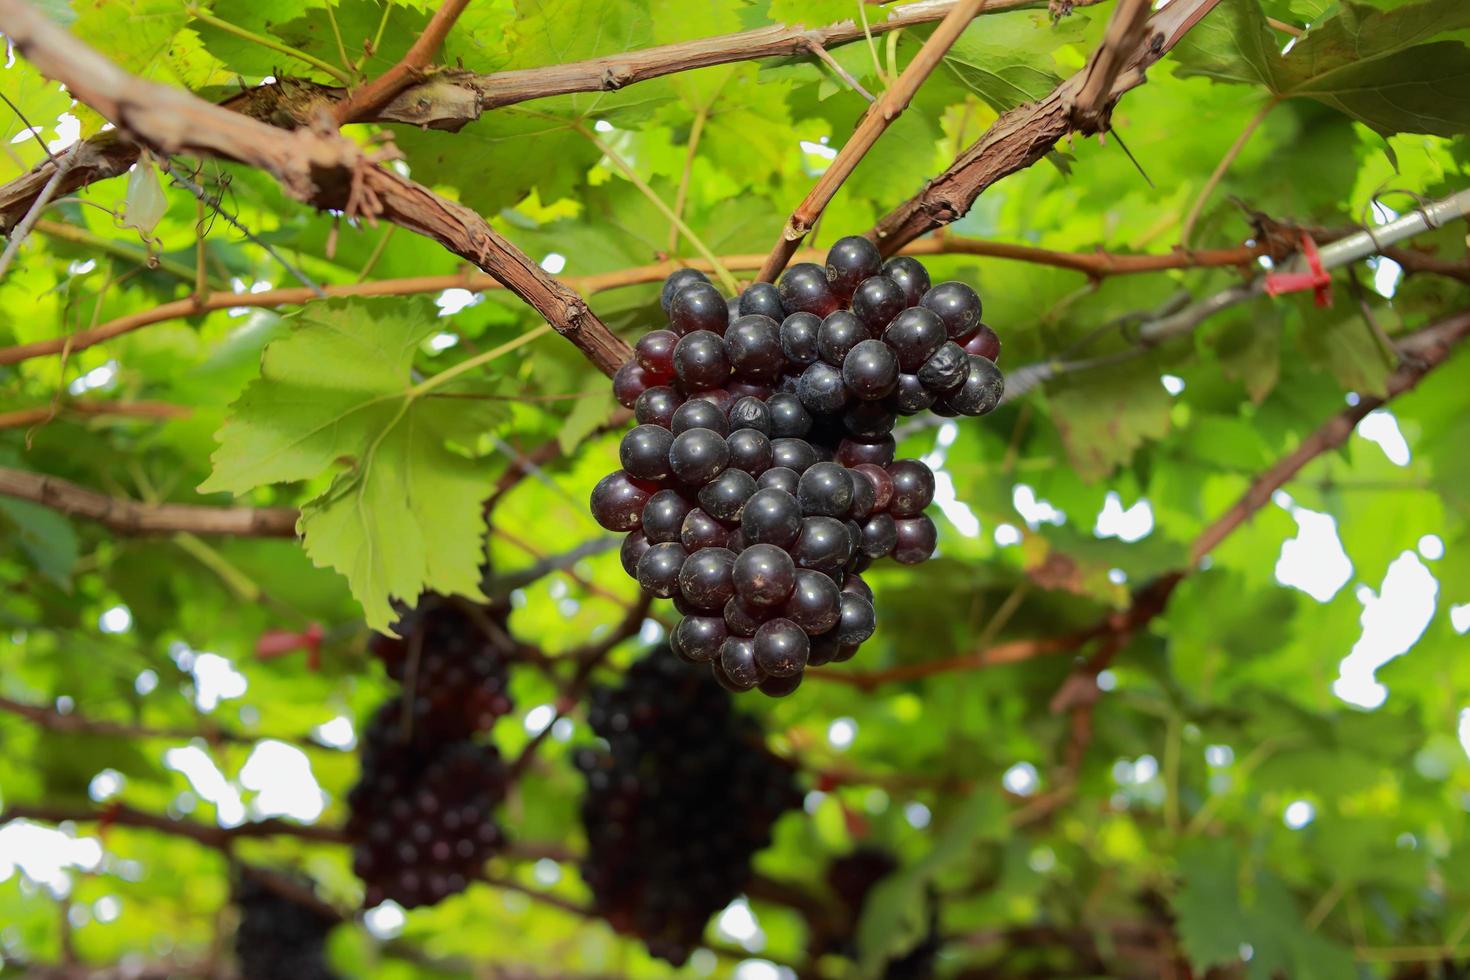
205, 17
1204, 195
682, 195
469, 364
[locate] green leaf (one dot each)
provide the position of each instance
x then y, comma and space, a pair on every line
1104, 416
46, 536
1006, 59
403, 515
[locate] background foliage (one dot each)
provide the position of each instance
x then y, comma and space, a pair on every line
1247, 793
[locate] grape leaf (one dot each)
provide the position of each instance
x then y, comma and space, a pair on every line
1103, 416
403, 514
1006, 59
44, 535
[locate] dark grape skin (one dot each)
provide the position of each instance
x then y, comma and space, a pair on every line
750, 413
737, 661
663, 516
839, 333
780, 478
876, 302
850, 260
789, 418
845, 652
913, 487
750, 451
853, 452
779, 687
804, 289
915, 334
644, 452
763, 298
764, 575
957, 305
736, 541
705, 579
856, 622
814, 603
869, 420
743, 619
980, 393
724, 681
656, 406
984, 342
724, 496
738, 389
771, 517
700, 637
910, 275
698, 456
880, 535
635, 543
698, 414
794, 454
870, 370
864, 497
676, 281
824, 650
787, 384
658, 569
946, 369
856, 585
881, 483
821, 388
629, 382
781, 648
700, 361
910, 396
732, 309
917, 539
698, 306
655, 353
799, 338
823, 545
702, 531
825, 490
618, 501
753, 345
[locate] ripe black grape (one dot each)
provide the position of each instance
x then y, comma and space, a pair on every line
644, 452
946, 369
781, 648
917, 539
737, 662
880, 535
750, 413
789, 418
720, 398
856, 622
913, 487
823, 545
697, 413
749, 451
753, 345
697, 456
804, 289
701, 361
629, 382
700, 637
915, 334
705, 580
957, 305
870, 370
700, 530
676, 281
764, 575
656, 406
839, 333
799, 338
771, 517
821, 388
825, 490
869, 420
698, 306
864, 497
910, 396
724, 496
663, 516
655, 353
779, 478
794, 454
910, 275
849, 262
763, 298
856, 585
983, 343
815, 602
876, 302
878, 450
981, 391
634, 545
618, 501
658, 569
779, 687
743, 619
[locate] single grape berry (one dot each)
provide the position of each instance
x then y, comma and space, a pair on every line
849, 262
770, 516
910, 397
980, 393
700, 637
910, 275
780, 478
718, 397
655, 353
984, 342
814, 603
781, 648
702, 531
644, 452
870, 370
915, 334
698, 306
804, 289
663, 516
957, 305
879, 536
825, 490
823, 545
753, 345
779, 687
946, 369
724, 496
798, 335
618, 500
840, 332
913, 487
750, 451
629, 382
698, 414
656, 406
737, 661
700, 361
705, 579
764, 575
743, 619
917, 539
750, 413
880, 481
869, 420
821, 388
658, 569
763, 298
676, 281
635, 543
856, 585
878, 450
876, 302
738, 389
857, 621
794, 454
697, 456
864, 497
789, 418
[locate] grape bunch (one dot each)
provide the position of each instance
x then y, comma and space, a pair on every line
677, 804
759, 480
277, 936
851, 878
422, 814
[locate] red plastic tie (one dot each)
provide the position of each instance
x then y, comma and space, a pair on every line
278, 643
1315, 278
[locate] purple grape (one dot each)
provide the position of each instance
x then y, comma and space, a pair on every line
910, 275
876, 302
957, 305
781, 648
700, 361
618, 501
